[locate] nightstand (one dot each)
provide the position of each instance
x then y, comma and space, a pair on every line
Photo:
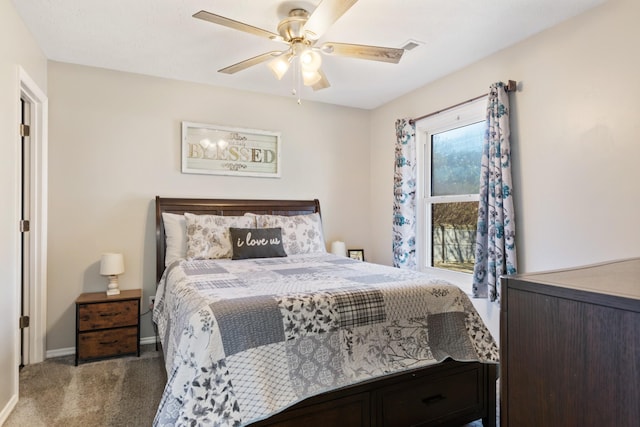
107, 326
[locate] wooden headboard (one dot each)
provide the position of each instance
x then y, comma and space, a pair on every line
222, 207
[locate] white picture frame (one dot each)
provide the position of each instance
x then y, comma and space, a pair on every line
222, 150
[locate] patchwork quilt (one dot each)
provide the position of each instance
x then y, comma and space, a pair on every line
246, 339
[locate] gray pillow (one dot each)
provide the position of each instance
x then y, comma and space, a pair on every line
256, 243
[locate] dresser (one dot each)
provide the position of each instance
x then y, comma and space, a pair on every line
570, 347
107, 326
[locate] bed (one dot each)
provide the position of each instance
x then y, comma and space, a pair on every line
307, 337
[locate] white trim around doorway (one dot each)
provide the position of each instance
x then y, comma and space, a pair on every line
39, 169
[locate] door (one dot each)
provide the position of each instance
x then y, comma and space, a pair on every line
25, 246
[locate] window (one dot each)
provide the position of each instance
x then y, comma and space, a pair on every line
450, 152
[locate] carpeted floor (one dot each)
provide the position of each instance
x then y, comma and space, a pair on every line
114, 392
109, 393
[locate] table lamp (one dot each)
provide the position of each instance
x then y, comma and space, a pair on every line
111, 265
339, 248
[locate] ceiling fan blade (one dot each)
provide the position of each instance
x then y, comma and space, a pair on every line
374, 53
327, 12
242, 65
323, 83
236, 25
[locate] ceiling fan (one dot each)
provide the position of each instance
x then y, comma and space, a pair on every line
301, 31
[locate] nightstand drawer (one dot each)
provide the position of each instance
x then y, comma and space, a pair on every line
107, 315
106, 343
425, 400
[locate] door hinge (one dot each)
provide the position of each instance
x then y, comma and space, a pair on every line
24, 322
24, 129
24, 225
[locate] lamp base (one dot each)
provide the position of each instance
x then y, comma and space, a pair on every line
112, 288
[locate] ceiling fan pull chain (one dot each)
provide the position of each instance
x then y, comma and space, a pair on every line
296, 80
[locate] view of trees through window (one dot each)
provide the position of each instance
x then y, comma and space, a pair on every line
455, 179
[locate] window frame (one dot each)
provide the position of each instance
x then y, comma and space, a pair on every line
459, 116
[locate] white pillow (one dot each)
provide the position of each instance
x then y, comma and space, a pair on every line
301, 234
175, 231
208, 236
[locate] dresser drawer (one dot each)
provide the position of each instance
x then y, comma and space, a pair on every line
348, 411
106, 343
107, 315
424, 401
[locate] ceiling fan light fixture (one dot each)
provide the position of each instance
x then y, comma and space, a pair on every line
310, 77
310, 60
280, 65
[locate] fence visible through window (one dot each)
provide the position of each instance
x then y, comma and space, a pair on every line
454, 235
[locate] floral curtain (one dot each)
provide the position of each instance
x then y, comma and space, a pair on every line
495, 241
404, 196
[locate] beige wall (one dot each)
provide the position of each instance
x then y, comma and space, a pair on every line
576, 132
114, 144
17, 48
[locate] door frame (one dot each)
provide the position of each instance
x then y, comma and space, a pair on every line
25, 241
39, 109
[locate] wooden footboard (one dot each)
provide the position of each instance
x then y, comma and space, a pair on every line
448, 394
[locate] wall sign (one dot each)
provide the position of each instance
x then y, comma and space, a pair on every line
219, 150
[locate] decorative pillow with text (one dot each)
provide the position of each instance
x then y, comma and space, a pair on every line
256, 243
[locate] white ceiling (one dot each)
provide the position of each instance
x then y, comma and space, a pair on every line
160, 38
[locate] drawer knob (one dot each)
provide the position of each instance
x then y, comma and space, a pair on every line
433, 399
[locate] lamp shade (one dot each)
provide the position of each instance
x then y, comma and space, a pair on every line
310, 78
280, 65
338, 248
310, 60
111, 264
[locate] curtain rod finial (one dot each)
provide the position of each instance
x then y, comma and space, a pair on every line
512, 86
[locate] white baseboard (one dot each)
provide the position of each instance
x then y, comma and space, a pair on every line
148, 340
72, 350
60, 352
6, 411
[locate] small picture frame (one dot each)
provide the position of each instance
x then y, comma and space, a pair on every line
356, 254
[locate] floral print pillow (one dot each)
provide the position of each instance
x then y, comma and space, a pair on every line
208, 236
301, 234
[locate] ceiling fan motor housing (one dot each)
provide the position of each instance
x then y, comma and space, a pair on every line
292, 27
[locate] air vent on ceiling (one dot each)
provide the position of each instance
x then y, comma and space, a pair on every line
411, 44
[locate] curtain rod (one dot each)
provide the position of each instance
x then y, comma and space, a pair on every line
509, 87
